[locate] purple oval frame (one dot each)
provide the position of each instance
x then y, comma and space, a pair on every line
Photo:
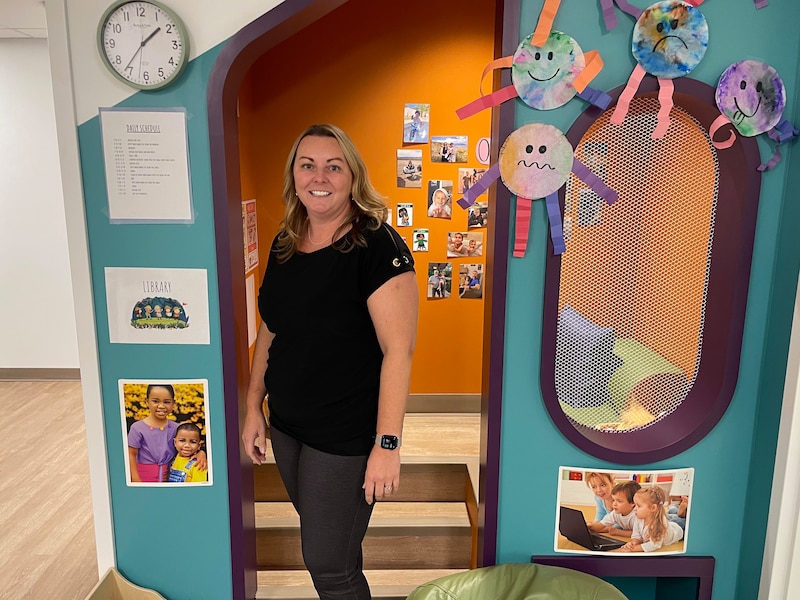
729, 277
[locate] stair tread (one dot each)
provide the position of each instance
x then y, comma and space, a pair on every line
383, 583
422, 437
385, 514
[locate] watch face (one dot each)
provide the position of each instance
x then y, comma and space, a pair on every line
143, 43
389, 442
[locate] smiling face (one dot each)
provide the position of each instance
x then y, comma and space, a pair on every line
535, 160
751, 94
322, 178
187, 442
670, 38
543, 77
160, 402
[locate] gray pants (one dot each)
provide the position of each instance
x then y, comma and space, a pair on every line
326, 492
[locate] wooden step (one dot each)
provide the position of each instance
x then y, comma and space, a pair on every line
419, 482
394, 584
416, 535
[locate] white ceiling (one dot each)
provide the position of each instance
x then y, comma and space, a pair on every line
22, 19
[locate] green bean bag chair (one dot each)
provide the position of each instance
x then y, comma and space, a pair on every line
521, 581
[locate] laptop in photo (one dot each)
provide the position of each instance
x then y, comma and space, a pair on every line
572, 526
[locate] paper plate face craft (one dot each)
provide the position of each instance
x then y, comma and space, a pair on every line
535, 162
751, 96
669, 40
544, 77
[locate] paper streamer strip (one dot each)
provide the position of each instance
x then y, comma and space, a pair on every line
782, 132
522, 226
719, 122
491, 175
610, 17
484, 102
624, 101
593, 65
499, 63
665, 90
556, 227
595, 97
593, 181
761, 3
545, 24
694, 3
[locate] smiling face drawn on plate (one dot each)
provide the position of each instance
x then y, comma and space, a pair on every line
670, 39
751, 94
535, 160
544, 77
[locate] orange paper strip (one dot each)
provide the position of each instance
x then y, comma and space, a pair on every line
594, 64
545, 24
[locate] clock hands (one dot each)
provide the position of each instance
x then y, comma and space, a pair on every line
139, 49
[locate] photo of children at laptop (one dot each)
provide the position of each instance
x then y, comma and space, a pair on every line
623, 513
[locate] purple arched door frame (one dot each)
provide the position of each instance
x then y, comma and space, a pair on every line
225, 80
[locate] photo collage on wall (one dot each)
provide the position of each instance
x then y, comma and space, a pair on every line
463, 236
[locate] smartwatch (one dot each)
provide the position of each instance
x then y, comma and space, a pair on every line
388, 442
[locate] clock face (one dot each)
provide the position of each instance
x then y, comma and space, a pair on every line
143, 43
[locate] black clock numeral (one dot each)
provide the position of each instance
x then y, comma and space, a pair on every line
146, 76
117, 60
171, 61
111, 43
169, 28
175, 44
126, 15
161, 72
129, 71
140, 11
116, 28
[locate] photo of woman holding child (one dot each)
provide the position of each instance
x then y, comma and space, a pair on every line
613, 512
166, 432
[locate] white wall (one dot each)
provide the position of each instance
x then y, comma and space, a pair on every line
36, 298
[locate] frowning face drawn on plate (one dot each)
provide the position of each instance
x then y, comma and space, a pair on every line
751, 94
535, 160
544, 77
670, 38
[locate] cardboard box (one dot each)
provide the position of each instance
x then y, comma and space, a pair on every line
114, 586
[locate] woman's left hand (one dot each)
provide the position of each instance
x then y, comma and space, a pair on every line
382, 478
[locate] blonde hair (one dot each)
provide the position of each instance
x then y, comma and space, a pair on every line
367, 207
599, 475
655, 496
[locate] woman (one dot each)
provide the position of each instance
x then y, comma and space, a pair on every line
333, 353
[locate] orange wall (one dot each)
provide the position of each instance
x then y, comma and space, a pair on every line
357, 68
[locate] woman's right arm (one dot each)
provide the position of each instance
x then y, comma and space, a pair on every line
254, 431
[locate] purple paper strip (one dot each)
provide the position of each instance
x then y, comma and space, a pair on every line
593, 181
609, 16
595, 97
489, 177
761, 3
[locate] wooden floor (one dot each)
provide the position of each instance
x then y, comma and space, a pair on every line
47, 547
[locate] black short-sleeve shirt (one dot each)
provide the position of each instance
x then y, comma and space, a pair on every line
323, 372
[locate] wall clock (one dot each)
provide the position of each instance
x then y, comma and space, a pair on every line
143, 43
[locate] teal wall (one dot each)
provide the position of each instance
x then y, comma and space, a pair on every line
173, 539
733, 464
157, 530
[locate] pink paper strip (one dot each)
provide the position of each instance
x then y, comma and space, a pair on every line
489, 177
522, 226
761, 4
719, 122
599, 187
545, 24
624, 101
484, 102
665, 90
556, 227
